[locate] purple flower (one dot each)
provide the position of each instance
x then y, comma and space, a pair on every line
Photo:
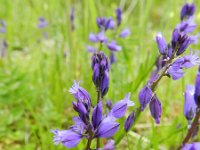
101, 22
194, 38
192, 146
42, 22
80, 94
109, 24
91, 49
82, 111
124, 33
97, 115
175, 37
183, 42
197, 89
187, 10
68, 138
107, 128
119, 109
189, 106
155, 108
100, 67
104, 85
113, 46
145, 96
187, 26
72, 11
93, 38
4, 45
189, 61
110, 145
112, 58
162, 45
118, 16
129, 121
2, 26
109, 104
175, 72
79, 126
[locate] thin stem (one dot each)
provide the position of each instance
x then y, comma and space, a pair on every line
88, 144
128, 141
90, 137
192, 129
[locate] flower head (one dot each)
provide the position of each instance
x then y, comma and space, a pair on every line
80, 94
124, 33
118, 16
155, 108
162, 45
129, 121
67, 137
145, 96
189, 105
118, 110
107, 128
42, 22
187, 26
113, 46
187, 10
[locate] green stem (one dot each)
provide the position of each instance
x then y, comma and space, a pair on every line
128, 141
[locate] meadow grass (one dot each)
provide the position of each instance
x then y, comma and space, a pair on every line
35, 76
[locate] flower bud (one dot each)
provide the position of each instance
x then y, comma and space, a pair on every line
155, 108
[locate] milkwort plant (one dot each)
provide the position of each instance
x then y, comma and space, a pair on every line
106, 24
170, 63
192, 113
91, 123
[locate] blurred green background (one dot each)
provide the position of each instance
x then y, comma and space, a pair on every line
35, 76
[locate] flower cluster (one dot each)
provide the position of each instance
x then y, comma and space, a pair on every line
97, 126
3, 44
91, 122
104, 24
170, 62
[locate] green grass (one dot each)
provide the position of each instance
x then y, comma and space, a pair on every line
35, 77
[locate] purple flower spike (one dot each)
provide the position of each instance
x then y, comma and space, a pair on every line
118, 16
100, 67
129, 122
119, 109
189, 106
113, 46
97, 115
68, 138
42, 23
197, 89
80, 94
192, 146
145, 96
125, 33
107, 128
155, 108
162, 45
175, 72
110, 145
187, 10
